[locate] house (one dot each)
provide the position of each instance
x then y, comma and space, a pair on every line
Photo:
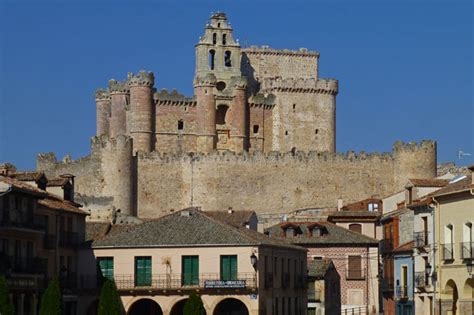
158, 263
39, 237
403, 279
324, 292
355, 257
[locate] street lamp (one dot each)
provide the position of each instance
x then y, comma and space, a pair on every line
253, 260
469, 267
428, 269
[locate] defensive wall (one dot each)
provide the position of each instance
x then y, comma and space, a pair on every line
151, 184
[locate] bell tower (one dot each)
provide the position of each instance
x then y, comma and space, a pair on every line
217, 52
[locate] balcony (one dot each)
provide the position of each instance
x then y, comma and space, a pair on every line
467, 250
27, 265
421, 239
269, 280
170, 282
447, 252
355, 274
421, 279
387, 246
36, 223
401, 292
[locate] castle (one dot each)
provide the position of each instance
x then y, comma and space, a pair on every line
259, 133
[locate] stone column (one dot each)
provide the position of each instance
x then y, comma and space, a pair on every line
237, 115
119, 94
141, 102
206, 112
102, 100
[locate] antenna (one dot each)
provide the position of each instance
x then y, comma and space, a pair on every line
462, 154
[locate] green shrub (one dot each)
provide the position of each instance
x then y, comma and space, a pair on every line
194, 305
109, 302
52, 299
6, 305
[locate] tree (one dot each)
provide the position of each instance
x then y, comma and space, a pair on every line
109, 302
6, 305
52, 299
194, 305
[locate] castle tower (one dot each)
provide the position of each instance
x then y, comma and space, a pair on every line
413, 160
102, 100
142, 110
117, 170
237, 115
204, 91
217, 52
120, 97
325, 131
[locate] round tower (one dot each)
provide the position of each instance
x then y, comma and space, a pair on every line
326, 92
413, 160
206, 112
102, 100
120, 96
117, 171
141, 102
237, 114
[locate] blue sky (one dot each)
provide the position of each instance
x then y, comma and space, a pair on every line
405, 67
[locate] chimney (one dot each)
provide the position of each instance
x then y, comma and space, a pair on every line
339, 204
68, 190
471, 168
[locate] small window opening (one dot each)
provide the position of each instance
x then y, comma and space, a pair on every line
286, 132
212, 54
227, 59
185, 108
220, 114
316, 131
218, 24
224, 39
214, 38
220, 86
255, 129
294, 107
180, 124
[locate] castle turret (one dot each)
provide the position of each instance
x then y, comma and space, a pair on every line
120, 96
237, 114
142, 110
117, 171
413, 160
206, 109
326, 91
102, 100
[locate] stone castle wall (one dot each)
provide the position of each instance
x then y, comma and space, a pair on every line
156, 183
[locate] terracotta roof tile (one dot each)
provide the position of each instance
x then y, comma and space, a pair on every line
27, 176
57, 181
61, 205
405, 247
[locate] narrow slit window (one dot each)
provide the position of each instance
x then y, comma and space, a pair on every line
227, 59
212, 55
316, 131
224, 39
180, 124
214, 38
256, 128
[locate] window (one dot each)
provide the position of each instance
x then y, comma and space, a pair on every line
316, 131
286, 132
373, 206
317, 257
190, 270
224, 39
212, 54
355, 267
106, 267
218, 25
143, 271
220, 114
220, 86
467, 248
294, 107
227, 59
255, 129
214, 38
355, 228
290, 232
228, 267
180, 124
316, 231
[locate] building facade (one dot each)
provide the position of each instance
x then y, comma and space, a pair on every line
403, 279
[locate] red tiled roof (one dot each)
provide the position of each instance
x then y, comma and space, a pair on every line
57, 181
27, 176
236, 218
405, 247
429, 182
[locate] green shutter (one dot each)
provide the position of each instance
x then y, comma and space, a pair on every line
233, 267
142, 271
190, 270
229, 267
106, 267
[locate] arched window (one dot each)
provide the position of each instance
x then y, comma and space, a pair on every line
220, 114
214, 38
227, 59
180, 124
448, 248
355, 227
467, 246
212, 55
224, 39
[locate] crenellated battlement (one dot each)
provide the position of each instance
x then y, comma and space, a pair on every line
104, 142
301, 85
102, 95
239, 82
208, 79
261, 99
142, 78
174, 98
118, 87
266, 50
401, 146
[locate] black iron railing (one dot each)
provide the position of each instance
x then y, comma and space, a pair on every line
207, 281
447, 251
467, 250
36, 222
421, 238
401, 292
